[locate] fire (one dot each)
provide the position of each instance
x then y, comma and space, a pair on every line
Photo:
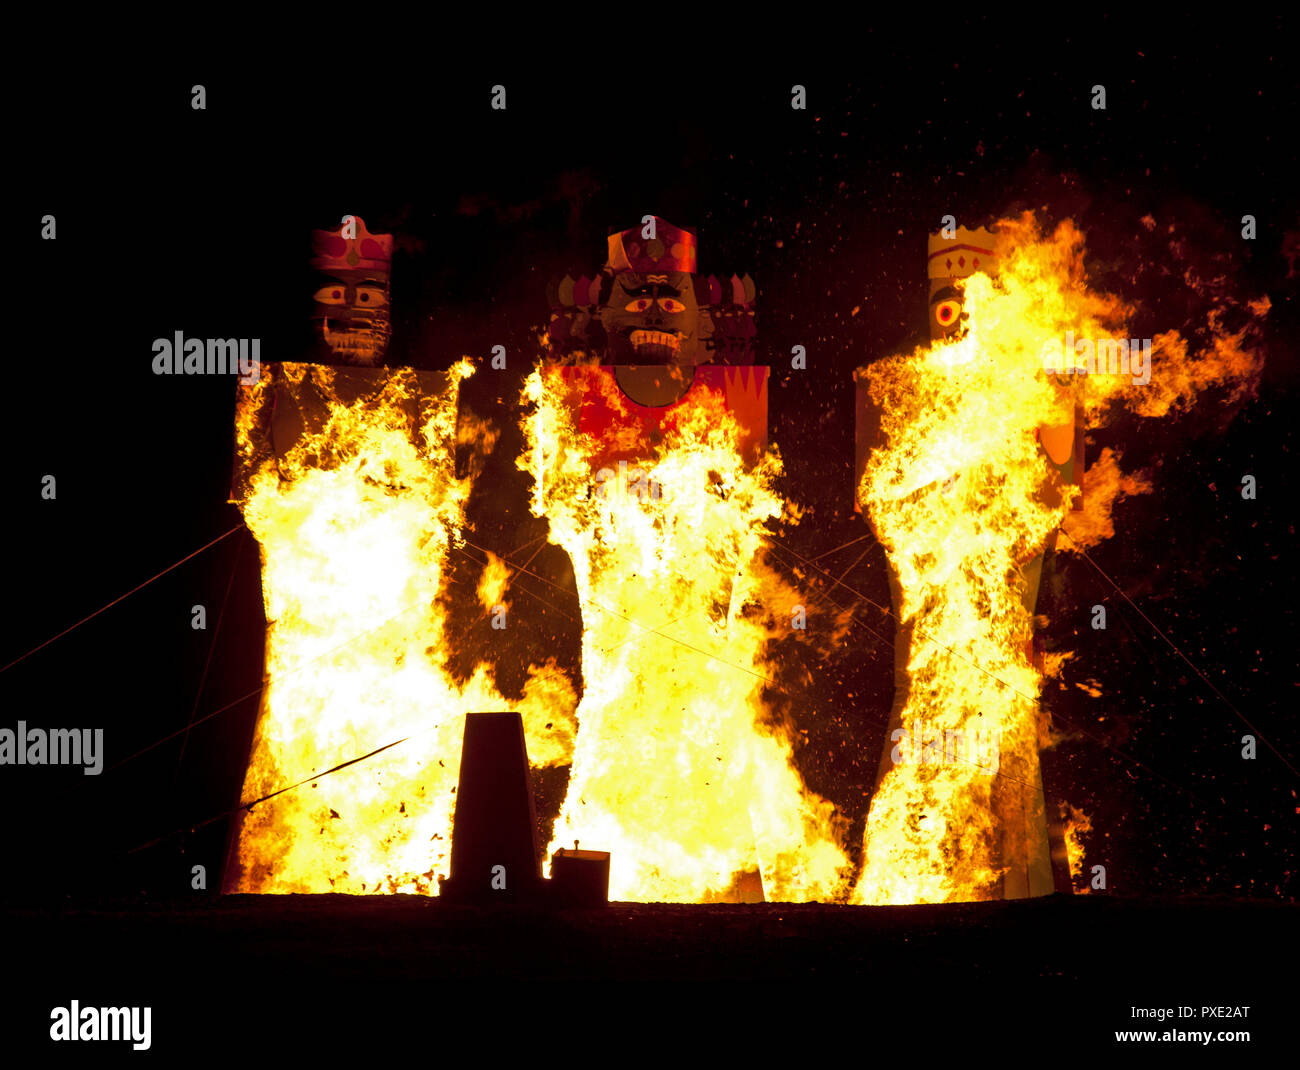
960, 498
492, 583
1107, 484
675, 770
1077, 825
355, 522
678, 767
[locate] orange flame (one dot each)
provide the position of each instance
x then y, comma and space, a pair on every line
355, 522
492, 583
960, 498
674, 770
678, 768
1077, 825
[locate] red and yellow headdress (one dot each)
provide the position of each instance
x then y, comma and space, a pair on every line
671, 249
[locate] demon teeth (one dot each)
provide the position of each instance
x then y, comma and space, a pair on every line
655, 338
361, 341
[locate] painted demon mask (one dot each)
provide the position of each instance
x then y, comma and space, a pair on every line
950, 259
350, 315
648, 306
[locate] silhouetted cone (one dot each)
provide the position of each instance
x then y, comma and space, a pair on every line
494, 854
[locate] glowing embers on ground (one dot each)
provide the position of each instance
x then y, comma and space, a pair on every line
961, 497
674, 770
350, 490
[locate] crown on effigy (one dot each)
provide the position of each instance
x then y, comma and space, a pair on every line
967, 252
729, 302
671, 249
333, 251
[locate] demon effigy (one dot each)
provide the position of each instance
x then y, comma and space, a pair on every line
350, 329
345, 475
651, 464
350, 317
966, 515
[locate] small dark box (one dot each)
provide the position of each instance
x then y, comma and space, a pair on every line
580, 878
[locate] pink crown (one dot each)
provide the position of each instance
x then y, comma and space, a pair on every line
671, 249
332, 251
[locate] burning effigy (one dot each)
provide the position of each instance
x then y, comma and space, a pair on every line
645, 440
345, 474
973, 468
657, 479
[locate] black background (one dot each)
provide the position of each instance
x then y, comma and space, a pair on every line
173, 219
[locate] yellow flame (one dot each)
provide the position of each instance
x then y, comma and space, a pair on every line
961, 497
492, 583
678, 769
1077, 825
355, 522
674, 770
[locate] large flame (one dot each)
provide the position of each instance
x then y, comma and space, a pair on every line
961, 497
675, 770
678, 769
355, 522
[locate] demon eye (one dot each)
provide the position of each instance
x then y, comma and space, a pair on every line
330, 295
670, 305
946, 312
641, 304
371, 296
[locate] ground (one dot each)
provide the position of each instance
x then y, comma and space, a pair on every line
1059, 970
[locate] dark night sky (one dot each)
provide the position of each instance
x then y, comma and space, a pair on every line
170, 219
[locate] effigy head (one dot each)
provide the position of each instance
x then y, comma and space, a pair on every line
648, 308
350, 314
951, 258
649, 305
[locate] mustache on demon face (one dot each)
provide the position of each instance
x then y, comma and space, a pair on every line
652, 318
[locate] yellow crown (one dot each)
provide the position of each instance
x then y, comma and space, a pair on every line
967, 252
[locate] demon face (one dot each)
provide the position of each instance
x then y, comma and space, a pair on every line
350, 314
653, 319
945, 309
954, 255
